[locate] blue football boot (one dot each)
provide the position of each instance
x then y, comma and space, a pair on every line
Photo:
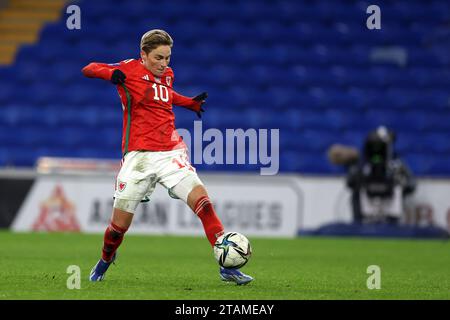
99, 270
234, 275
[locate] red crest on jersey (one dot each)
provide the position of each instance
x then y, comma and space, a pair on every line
168, 79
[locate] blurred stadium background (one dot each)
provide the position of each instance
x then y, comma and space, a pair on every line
310, 68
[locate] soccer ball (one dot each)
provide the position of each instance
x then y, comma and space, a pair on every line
232, 250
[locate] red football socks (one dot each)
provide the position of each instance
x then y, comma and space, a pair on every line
211, 222
111, 241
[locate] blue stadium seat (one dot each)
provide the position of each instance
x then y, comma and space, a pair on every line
436, 143
290, 160
440, 166
419, 163
353, 137
7, 138
316, 141
7, 72
7, 92
407, 143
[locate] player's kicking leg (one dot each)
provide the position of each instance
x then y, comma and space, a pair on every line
200, 203
204, 209
120, 222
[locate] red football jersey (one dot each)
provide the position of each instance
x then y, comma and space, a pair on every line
148, 119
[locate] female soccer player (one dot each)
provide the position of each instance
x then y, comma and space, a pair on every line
153, 152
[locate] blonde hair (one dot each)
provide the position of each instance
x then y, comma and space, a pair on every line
155, 38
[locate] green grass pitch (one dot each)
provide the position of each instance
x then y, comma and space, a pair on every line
34, 266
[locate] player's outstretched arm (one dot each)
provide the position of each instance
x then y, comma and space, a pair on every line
104, 71
194, 103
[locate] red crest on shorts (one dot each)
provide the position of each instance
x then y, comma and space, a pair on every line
122, 185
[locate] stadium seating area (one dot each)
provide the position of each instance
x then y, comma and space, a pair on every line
311, 69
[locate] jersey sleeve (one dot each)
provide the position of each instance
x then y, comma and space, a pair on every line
179, 99
185, 102
103, 70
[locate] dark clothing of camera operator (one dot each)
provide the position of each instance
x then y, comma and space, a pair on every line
378, 173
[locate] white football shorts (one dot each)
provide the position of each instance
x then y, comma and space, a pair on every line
142, 170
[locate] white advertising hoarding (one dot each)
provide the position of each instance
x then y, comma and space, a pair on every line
253, 205
432, 202
277, 206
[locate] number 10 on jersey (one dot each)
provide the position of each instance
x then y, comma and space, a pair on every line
160, 94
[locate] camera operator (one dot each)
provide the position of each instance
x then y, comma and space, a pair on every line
380, 181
